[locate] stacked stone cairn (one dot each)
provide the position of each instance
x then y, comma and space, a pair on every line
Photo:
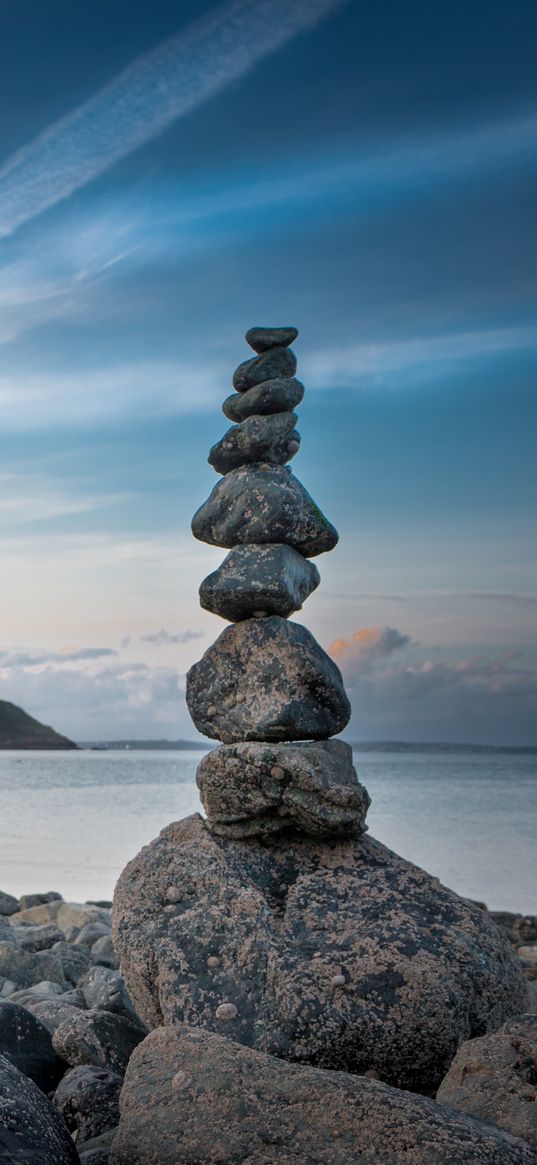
266, 688
293, 972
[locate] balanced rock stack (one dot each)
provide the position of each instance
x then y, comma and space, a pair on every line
266, 683
276, 929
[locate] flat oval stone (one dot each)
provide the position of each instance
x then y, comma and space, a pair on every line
271, 396
266, 679
270, 439
274, 363
273, 580
263, 339
254, 789
263, 503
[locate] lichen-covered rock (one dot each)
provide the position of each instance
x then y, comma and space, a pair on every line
31, 1131
26, 968
271, 396
191, 1097
263, 339
270, 365
250, 790
27, 1044
100, 1038
266, 679
88, 1099
8, 904
271, 929
257, 581
495, 1078
273, 440
263, 503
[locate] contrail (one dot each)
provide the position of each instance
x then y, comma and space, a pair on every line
145, 98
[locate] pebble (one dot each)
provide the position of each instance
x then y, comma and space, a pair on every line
174, 894
213, 961
337, 981
263, 339
180, 1081
226, 1011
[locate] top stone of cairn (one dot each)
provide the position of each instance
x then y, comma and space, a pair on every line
263, 339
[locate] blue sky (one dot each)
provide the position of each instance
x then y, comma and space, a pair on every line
171, 174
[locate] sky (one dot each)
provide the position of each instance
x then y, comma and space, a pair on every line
172, 174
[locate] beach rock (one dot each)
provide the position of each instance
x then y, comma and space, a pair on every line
105, 990
96, 1037
31, 1131
528, 957
191, 1097
97, 1151
53, 1012
8, 904
252, 790
495, 1078
75, 960
268, 928
73, 915
271, 396
42, 990
103, 953
27, 901
255, 580
266, 679
88, 1099
26, 968
37, 915
270, 365
91, 932
272, 440
27, 1044
260, 503
38, 938
263, 339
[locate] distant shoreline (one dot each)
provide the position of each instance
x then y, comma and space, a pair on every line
357, 745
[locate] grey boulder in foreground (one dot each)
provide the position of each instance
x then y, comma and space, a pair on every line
495, 1078
31, 1131
335, 953
254, 789
255, 581
266, 679
192, 1097
263, 503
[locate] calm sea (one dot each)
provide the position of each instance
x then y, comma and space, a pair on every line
70, 821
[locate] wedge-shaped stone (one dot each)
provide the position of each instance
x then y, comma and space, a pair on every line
266, 679
259, 580
262, 339
254, 789
275, 363
273, 440
271, 396
263, 503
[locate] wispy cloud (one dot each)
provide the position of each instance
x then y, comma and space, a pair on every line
29, 659
165, 638
145, 98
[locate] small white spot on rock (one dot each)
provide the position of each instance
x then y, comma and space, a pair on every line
213, 961
181, 1080
212, 710
174, 894
337, 981
226, 1011
277, 772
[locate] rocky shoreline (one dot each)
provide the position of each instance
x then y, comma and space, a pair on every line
68, 1030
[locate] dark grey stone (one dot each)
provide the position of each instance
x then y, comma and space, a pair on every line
98, 1150
91, 932
263, 339
26, 968
99, 1038
256, 789
38, 938
53, 1012
259, 580
273, 440
278, 362
88, 1099
8, 904
105, 990
266, 679
103, 953
271, 396
27, 1044
271, 927
75, 960
260, 504
32, 1132
28, 900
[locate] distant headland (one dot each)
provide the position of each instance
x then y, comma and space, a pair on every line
19, 730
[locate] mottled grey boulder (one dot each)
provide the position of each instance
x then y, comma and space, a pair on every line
495, 1078
91, 932
53, 1012
27, 1044
88, 1099
31, 1131
97, 1150
256, 581
26, 968
273, 440
99, 1038
8, 904
263, 503
263, 339
271, 396
255, 789
26, 901
75, 960
191, 1097
336, 953
270, 365
104, 989
266, 679
103, 953
38, 938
